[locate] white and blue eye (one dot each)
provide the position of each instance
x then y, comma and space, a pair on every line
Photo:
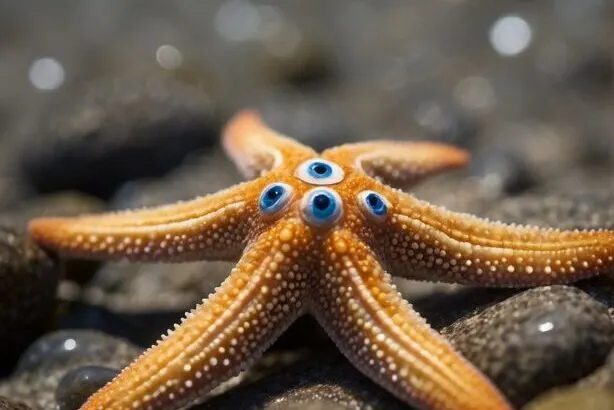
274, 197
319, 172
374, 204
321, 206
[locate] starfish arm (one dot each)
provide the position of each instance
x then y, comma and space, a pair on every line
211, 227
221, 337
422, 241
399, 164
256, 148
387, 340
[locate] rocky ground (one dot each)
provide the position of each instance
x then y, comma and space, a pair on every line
111, 104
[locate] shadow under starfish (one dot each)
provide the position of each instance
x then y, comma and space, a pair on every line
318, 234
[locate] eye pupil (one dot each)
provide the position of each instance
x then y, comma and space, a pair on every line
274, 197
374, 204
321, 202
374, 201
274, 192
319, 172
321, 206
320, 169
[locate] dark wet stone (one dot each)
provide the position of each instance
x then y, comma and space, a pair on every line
592, 75
49, 359
28, 281
502, 173
6, 404
308, 68
459, 302
139, 327
316, 404
603, 377
117, 129
601, 288
574, 399
326, 378
63, 347
542, 338
443, 120
12, 189
60, 204
78, 384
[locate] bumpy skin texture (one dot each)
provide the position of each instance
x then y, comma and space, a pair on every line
291, 264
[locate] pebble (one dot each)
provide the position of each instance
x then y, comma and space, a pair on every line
501, 173
60, 204
80, 383
542, 338
28, 281
47, 361
325, 379
122, 127
574, 399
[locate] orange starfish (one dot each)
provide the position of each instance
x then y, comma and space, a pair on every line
317, 234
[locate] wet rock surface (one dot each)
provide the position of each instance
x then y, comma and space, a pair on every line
326, 381
28, 280
127, 128
126, 104
56, 357
78, 384
542, 338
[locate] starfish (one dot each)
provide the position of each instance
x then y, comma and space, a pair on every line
321, 235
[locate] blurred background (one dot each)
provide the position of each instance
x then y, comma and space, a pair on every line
109, 104
94, 93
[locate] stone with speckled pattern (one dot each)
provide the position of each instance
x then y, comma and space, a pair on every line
47, 360
539, 339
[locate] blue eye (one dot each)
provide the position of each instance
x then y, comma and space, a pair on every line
321, 206
320, 169
374, 204
319, 172
274, 197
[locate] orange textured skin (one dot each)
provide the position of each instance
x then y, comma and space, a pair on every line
337, 271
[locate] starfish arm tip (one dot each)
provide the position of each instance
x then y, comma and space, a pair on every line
431, 243
219, 338
388, 341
